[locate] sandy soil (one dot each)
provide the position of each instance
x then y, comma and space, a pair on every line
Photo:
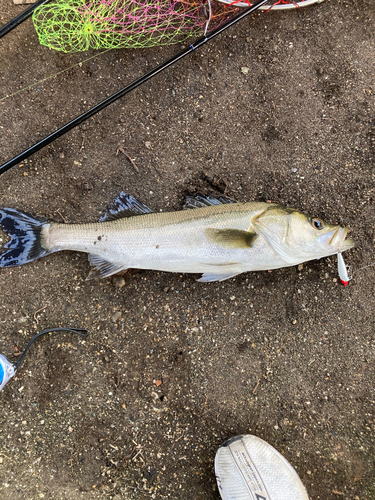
287, 355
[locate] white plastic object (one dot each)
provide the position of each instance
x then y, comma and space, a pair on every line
7, 371
248, 468
280, 6
344, 272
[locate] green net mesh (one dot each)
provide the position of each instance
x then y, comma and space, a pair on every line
77, 25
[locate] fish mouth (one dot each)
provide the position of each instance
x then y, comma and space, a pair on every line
336, 240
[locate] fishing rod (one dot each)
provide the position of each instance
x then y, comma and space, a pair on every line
13, 23
114, 97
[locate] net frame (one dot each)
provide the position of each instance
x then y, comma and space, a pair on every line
275, 4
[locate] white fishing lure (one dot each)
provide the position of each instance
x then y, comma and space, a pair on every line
344, 270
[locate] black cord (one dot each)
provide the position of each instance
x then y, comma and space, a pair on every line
78, 331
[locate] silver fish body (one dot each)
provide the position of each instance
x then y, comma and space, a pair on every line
218, 239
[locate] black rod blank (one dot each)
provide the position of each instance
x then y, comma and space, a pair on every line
114, 97
21, 17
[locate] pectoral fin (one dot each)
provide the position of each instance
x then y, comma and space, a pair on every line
231, 238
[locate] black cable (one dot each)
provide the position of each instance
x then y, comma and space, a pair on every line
114, 97
13, 23
78, 331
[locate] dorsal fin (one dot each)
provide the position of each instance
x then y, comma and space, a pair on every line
206, 201
125, 205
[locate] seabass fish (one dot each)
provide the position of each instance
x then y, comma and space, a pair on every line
217, 237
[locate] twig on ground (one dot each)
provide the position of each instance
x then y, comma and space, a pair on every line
63, 218
38, 311
128, 157
256, 387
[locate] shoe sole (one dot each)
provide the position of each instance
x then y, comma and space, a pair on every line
248, 468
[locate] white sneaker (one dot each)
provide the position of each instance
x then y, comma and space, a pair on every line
248, 468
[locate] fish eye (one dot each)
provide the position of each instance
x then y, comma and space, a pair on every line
317, 223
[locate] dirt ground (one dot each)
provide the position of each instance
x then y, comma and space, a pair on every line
173, 367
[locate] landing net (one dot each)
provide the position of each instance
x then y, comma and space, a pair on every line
78, 25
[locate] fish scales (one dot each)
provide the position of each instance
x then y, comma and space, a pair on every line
169, 241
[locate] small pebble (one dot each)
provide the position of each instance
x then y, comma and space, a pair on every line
245, 70
118, 281
116, 316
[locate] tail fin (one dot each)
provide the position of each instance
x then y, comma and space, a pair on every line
25, 234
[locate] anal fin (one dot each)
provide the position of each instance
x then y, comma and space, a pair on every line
102, 268
210, 277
